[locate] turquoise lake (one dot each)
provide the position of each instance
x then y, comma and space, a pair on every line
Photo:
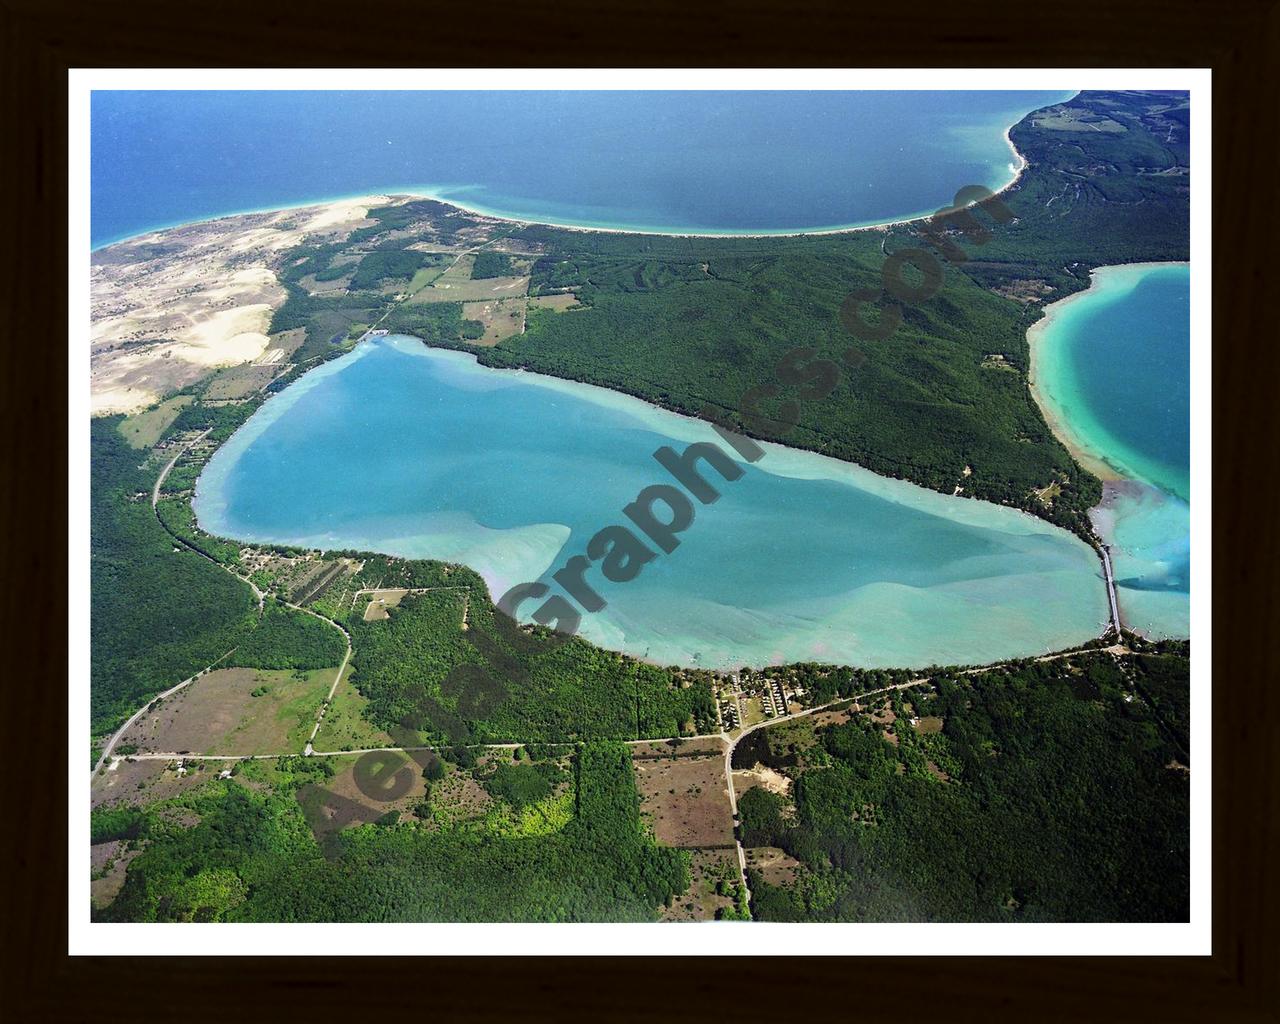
418, 452
1113, 373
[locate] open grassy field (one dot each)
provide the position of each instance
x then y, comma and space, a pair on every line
448, 289
236, 382
235, 711
322, 289
663, 748
380, 601
282, 346
775, 865
1067, 119
344, 787
558, 302
143, 429
124, 781
239, 382
501, 318
344, 726
708, 869
456, 285
140, 782
685, 800
423, 278
109, 862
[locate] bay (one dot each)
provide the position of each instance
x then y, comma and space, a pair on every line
1112, 373
714, 162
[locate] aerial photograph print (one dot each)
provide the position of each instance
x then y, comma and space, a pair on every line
650, 505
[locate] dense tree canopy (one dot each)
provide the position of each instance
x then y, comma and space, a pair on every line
160, 613
1053, 792
252, 858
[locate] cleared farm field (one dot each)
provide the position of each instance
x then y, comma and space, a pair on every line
136, 782
685, 800
423, 278
453, 289
344, 726
455, 285
282, 346
501, 318
239, 382
559, 303
237, 711
322, 289
144, 429
380, 601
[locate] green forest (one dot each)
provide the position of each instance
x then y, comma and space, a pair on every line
159, 613
494, 683
389, 264
163, 611
1065, 798
694, 324
287, 638
491, 264
251, 857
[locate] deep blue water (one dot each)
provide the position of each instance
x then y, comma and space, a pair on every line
710, 161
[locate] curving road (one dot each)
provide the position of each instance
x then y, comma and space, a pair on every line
257, 593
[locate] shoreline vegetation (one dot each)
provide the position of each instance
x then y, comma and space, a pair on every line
183, 832
675, 627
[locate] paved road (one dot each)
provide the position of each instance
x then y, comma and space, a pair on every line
391, 308
115, 737
257, 593
155, 500
733, 743
155, 491
1118, 649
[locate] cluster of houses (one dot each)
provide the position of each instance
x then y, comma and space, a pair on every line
729, 716
773, 695
775, 698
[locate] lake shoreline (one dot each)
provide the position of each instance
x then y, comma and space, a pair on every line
418, 192
1122, 485
1037, 554
1080, 448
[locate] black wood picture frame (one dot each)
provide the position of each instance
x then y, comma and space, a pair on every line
1238, 39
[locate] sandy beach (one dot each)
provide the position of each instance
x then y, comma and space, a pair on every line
848, 229
1092, 460
1020, 165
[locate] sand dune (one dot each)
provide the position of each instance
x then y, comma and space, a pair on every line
169, 306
